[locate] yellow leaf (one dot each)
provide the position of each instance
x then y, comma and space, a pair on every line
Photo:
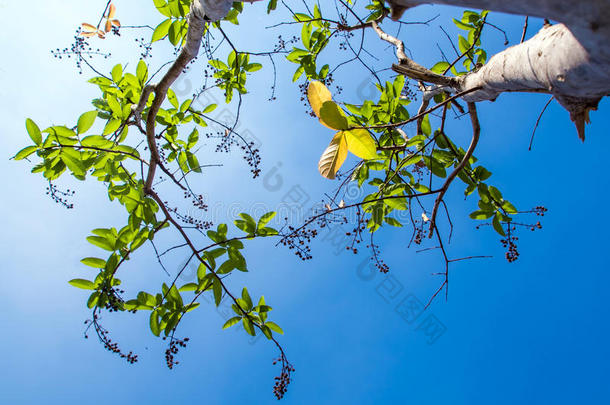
89, 27
87, 34
111, 11
108, 26
101, 34
116, 23
361, 144
332, 116
334, 156
317, 94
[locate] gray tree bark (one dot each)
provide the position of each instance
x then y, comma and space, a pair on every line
570, 60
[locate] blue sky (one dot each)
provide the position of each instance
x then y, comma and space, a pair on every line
533, 331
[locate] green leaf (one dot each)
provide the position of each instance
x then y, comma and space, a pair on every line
440, 67
191, 307
274, 327
426, 129
233, 321
112, 125
495, 194
25, 152
482, 173
463, 44
332, 116
226, 267
508, 207
217, 288
92, 301
172, 322
94, 262
155, 326
33, 131
171, 96
253, 67
163, 7
117, 73
435, 167
82, 284
264, 220
480, 215
209, 108
497, 225
175, 297
246, 297
461, 25
393, 222
161, 30
142, 71
100, 242
85, 122
248, 327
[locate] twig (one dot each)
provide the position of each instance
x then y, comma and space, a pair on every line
538, 122
524, 29
476, 131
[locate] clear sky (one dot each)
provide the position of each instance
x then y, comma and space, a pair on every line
534, 331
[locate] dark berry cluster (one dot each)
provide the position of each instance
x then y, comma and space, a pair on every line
109, 345
145, 47
509, 243
191, 220
356, 233
410, 91
283, 380
418, 235
80, 49
197, 200
59, 196
230, 138
172, 350
540, 210
376, 256
298, 240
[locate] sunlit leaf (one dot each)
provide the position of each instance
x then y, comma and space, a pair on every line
333, 116
361, 143
82, 284
33, 131
317, 94
334, 156
86, 121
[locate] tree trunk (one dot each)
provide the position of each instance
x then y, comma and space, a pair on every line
570, 60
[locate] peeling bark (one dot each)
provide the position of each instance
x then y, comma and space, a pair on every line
570, 60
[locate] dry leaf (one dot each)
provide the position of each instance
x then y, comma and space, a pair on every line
111, 11
89, 28
333, 157
424, 217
